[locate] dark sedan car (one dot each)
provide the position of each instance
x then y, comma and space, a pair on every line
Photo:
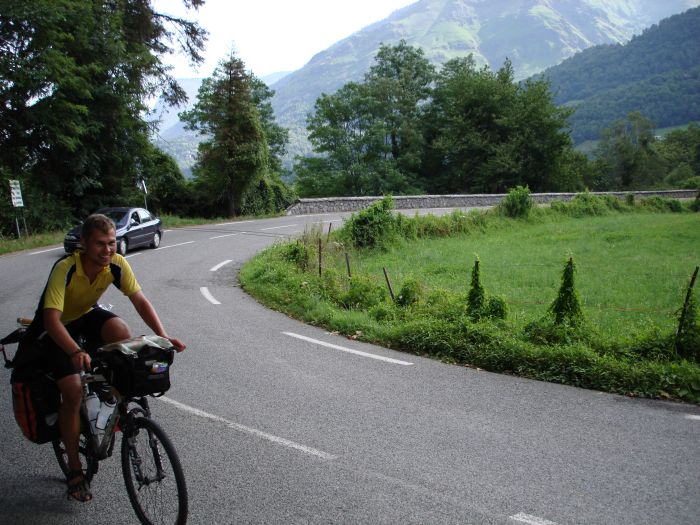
135, 227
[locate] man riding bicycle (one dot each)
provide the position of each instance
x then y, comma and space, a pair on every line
68, 312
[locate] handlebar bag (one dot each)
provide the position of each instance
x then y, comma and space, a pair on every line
35, 400
139, 366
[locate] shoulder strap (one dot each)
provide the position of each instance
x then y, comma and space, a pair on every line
117, 273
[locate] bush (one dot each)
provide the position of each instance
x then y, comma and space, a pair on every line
296, 253
662, 204
410, 293
373, 227
363, 294
517, 204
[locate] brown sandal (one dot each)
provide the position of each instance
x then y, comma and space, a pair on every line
78, 489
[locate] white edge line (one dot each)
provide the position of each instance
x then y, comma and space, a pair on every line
45, 251
215, 268
252, 431
531, 520
348, 350
174, 245
277, 227
692, 416
208, 296
221, 236
232, 223
132, 255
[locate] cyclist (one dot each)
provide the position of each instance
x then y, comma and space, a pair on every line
68, 312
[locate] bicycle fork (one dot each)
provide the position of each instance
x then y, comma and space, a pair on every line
137, 462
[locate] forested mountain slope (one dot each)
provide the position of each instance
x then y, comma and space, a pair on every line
533, 34
656, 73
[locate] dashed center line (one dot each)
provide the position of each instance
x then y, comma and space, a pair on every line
222, 236
348, 350
531, 520
208, 296
215, 268
252, 431
693, 417
278, 227
174, 245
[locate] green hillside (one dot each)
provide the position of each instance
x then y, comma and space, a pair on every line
656, 73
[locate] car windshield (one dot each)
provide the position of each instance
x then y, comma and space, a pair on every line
118, 216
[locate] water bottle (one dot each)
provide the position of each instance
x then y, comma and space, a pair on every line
104, 415
92, 403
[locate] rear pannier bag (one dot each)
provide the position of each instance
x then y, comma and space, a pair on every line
36, 400
138, 366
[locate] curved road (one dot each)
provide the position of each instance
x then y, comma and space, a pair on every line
279, 422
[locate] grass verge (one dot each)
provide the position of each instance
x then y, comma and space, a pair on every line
429, 260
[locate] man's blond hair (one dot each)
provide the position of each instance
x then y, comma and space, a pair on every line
99, 222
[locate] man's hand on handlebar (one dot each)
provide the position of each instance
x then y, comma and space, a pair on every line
179, 345
81, 360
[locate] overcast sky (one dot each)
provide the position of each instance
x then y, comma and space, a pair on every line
275, 35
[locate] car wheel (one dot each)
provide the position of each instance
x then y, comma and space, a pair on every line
156, 240
122, 246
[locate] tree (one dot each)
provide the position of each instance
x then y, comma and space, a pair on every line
369, 132
398, 86
625, 154
487, 134
75, 79
234, 155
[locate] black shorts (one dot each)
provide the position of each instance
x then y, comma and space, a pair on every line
88, 327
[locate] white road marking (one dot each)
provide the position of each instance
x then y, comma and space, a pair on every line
44, 251
173, 245
214, 268
252, 431
348, 350
277, 227
232, 223
531, 520
208, 296
693, 417
132, 255
221, 236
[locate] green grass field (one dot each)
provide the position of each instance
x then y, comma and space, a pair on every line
632, 269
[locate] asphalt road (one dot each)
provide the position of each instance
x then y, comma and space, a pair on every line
279, 422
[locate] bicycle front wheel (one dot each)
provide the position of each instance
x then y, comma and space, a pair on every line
153, 474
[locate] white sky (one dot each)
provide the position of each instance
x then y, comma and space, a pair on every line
274, 35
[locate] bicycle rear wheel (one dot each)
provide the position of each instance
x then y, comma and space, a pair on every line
153, 475
87, 458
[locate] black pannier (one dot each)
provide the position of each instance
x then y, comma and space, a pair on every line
138, 366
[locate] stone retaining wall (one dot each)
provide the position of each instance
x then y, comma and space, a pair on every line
410, 202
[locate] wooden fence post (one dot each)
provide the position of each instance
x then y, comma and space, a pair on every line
388, 283
684, 311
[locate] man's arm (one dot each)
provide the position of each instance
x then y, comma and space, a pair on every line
145, 309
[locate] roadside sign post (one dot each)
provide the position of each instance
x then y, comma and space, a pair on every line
17, 202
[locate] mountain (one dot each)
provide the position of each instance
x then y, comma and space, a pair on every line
656, 73
534, 34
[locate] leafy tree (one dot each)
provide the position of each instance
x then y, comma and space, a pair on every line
369, 133
234, 155
75, 76
625, 155
399, 84
487, 134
